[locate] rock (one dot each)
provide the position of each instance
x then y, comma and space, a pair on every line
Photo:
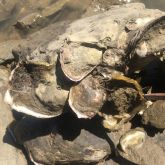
9, 154
66, 140
6, 50
29, 22
154, 115
53, 8
149, 154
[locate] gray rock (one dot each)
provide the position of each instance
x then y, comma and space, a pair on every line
154, 115
65, 140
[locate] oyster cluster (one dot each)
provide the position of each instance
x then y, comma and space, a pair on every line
77, 88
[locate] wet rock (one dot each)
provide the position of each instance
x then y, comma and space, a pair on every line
53, 8
37, 20
154, 115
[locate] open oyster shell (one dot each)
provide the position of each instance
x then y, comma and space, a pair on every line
123, 102
132, 139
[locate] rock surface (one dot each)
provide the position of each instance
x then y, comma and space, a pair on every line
65, 140
9, 154
154, 115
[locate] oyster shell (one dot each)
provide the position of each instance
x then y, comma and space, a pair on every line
147, 152
33, 85
77, 61
87, 97
132, 139
86, 40
147, 45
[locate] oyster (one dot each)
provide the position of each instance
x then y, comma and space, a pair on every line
132, 139
86, 40
33, 85
146, 45
87, 97
141, 149
97, 54
78, 61
124, 101
111, 43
